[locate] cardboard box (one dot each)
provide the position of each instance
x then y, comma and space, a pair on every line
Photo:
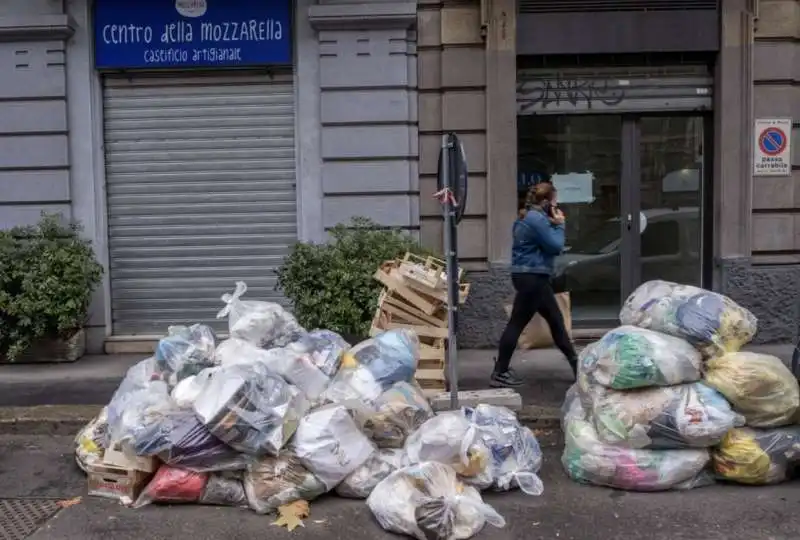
116, 483
114, 457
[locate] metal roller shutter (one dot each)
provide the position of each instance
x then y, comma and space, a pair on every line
614, 90
200, 175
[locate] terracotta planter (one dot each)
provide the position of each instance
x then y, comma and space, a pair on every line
53, 351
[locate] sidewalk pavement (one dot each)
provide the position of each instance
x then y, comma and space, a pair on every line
40, 469
58, 398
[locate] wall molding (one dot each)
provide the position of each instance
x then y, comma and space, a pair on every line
363, 16
36, 28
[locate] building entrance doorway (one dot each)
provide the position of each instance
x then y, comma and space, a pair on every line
633, 189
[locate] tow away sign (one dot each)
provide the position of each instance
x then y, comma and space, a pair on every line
773, 147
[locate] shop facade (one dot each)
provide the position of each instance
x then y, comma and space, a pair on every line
648, 131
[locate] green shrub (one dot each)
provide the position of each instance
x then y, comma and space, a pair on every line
47, 276
331, 285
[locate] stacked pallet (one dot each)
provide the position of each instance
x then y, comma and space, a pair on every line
415, 297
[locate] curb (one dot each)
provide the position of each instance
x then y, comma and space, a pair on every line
537, 417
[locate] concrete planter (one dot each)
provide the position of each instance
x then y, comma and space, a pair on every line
53, 351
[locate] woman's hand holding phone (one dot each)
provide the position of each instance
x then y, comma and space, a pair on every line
558, 217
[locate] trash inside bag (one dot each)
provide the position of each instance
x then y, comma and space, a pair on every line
275, 481
137, 414
325, 347
713, 323
451, 439
295, 366
360, 483
250, 409
586, 459
186, 351
264, 324
373, 366
399, 411
683, 416
171, 485
330, 445
138, 377
224, 489
428, 502
759, 456
179, 439
514, 451
629, 357
759, 386
89, 441
189, 389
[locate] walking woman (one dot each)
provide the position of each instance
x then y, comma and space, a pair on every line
538, 237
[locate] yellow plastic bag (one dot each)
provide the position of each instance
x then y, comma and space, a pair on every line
758, 456
759, 386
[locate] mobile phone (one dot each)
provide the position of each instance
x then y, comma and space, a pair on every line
547, 208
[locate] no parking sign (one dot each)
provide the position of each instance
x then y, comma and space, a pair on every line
773, 147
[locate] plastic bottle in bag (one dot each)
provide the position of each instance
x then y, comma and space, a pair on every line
629, 357
713, 323
759, 386
515, 453
428, 502
264, 324
250, 409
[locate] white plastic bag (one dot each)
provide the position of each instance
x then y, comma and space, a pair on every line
264, 324
186, 351
325, 348
629, 357
250, 408
360, 483
428, 502
275, 481
515, 453
330, 445
89, 441
451, 439
189, 389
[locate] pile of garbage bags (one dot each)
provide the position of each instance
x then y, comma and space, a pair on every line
669, 401
276, 414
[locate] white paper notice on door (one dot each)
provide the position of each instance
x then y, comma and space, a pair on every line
574, 187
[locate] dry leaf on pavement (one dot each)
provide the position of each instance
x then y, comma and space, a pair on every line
69, 502
292, 515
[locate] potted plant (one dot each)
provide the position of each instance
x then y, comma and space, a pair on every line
331, 285
48, 273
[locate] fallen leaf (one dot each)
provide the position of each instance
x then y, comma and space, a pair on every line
291, 515
69, 502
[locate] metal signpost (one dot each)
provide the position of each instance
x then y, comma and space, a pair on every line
452, 194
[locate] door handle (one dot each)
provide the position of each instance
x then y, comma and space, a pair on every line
629, 222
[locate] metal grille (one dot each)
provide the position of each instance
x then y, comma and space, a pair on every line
20, 518
614, 90
574, 6
200, 175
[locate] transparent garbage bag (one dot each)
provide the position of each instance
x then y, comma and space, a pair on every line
171, 485
428, 502
586, 459
89, 441
515, 455
138, 377
683, 416
189, 389
713, 323
186, 351
398, 412
330, 445
179, 439
224, 489
629, 357
451, 439
140, 412
264, 324
758, 456
325, 348
759, 386
275, 481
250, 408
371, 367
360, 483
294, 365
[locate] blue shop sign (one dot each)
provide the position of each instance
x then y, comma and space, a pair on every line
156, 34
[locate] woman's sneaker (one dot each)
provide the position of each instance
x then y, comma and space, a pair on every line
506, 379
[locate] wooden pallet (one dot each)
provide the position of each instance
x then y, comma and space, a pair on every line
428, 301
429, 272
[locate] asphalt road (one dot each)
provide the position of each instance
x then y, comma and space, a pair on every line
42, 467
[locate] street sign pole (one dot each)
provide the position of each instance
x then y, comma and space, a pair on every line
448, 171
